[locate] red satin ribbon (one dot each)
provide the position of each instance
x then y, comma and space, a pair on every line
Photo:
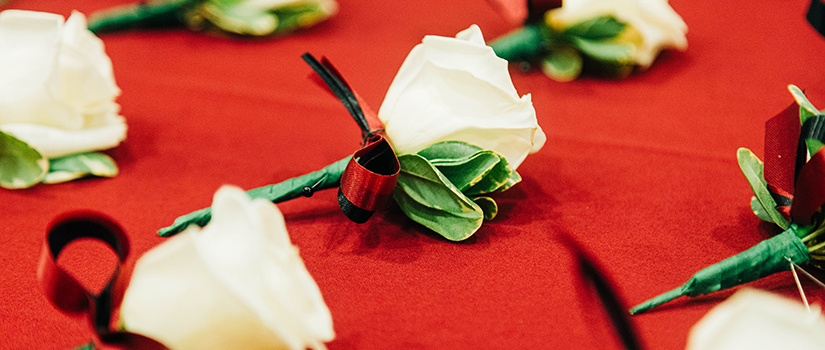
371, 175
780, 149
365, 188
70, 297
809, 194
804, 186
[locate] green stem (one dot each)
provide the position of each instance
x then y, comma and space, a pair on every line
763, 259
817, 247
328, 177
139, 15
813, 235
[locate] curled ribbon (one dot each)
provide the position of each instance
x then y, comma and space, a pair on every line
70, 297
371, 174
796, 183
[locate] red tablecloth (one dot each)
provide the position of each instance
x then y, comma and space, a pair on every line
642, 172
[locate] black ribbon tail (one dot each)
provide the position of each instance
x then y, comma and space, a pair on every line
339, 87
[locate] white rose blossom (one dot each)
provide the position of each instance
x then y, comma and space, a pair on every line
238, 283
57, 89
458, 89
753, 319
656, 22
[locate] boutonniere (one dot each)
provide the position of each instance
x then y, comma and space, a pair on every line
759, 320
789, 190
452, 130
608, 37
57, 101
233, 17
237, 283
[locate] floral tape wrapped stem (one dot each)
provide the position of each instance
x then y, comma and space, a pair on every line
304, 185
236, 17
766, 258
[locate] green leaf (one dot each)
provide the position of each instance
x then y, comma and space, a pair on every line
21, 166
88, 346
500, 178
75, 166
488, 205
759, 210
467, 171
474, 171
429, 198
599, 28
230, 17
604, 50
523, 44
298, 15
806, 110
563, 64
447, 151
753, 169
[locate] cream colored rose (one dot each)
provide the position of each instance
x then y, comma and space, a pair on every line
57, 89
754, 320
238, 283
458, 89
657, 24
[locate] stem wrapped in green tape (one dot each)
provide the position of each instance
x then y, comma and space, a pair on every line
766, 258
304, 185
139, 15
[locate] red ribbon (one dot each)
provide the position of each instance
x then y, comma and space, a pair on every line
70, 297
809, 194
788, 175
371, 175
370, 189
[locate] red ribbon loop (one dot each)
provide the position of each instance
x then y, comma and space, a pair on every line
370, 176
372, 173
69, 296
809, 194
781, 132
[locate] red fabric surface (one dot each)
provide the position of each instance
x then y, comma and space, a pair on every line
642, 172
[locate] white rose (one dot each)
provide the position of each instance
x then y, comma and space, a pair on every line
238, 283
57, 89
753, 319
656, 22
458, 89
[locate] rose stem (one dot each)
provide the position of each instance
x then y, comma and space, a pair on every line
304, 185
763, 259
139, 15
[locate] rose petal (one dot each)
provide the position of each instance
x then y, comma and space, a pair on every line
237, 283
753, 319
53, 142
659, 25
458, 89
57, 88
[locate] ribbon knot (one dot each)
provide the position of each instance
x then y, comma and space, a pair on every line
372, 173
795, 181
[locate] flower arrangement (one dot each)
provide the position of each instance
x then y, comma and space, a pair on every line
57, 101
237, 283
248, 18
608, 37
789, 190
452, 130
